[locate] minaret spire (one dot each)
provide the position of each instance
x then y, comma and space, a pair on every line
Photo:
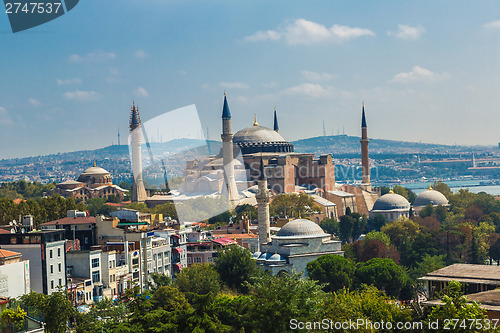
228, 154
365, 182
138, 189
276, 127
263, 196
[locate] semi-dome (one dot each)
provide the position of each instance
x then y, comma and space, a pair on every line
256, 139
301, 228
275, 258
391, 201
432, 197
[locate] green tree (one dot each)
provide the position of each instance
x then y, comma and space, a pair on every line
377, 222
443, 188
346, 226
427, 265
236, 267
367, 303
380, 236
56, 309
457, 307
402, 232
405, 192
426, 211
158, 280
334, 271
13, 317
201, 279
275, 300
330, 226
384, 274
292, 204
167, 209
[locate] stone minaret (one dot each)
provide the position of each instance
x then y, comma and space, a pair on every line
263, 196
138, 190
227, 154
276, 127
365, 183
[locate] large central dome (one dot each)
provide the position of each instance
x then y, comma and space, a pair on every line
301, 228
256, 139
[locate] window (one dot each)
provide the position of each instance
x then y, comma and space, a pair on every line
52, 284
95, 262
50, 254
60, 282
59, 252
60, 267
51, 269
96, 277
189, 260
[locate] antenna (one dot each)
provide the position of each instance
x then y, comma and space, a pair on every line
118, 135
324, 131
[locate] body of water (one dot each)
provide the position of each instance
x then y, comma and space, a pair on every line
455, 185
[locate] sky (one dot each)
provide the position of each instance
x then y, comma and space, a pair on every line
427, 71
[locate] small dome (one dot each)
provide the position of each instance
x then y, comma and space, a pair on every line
301, 228
264, 256
432, 197
256, 255
391, 201
275, 258
95, 170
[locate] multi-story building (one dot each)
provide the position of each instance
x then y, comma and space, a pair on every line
86, 264
45, 251
14, 274
77, 226
178, 242
203, 252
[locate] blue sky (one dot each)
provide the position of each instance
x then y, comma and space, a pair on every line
427, 70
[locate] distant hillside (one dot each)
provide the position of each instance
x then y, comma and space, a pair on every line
340, 145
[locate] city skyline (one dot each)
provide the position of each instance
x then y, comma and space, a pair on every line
425, 73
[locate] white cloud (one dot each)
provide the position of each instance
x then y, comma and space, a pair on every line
141, 92
307, 89
96, 56
264, 35
141, 54
79, 95
418, 74
63, 82
307, 32
5, 117
407, 32
492, 25
34, 102
234, 85
313, 76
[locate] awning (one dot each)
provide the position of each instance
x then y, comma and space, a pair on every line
177, 250
178, 266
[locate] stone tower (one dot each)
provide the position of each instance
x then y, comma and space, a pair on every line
228, 154
263, 196
365, 182
138, 190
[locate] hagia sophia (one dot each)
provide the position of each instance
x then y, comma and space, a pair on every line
257, 163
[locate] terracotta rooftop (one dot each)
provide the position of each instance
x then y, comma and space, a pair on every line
72, 220
7, 253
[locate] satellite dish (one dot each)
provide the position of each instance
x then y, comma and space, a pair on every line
12, 231
23, 231
11, 224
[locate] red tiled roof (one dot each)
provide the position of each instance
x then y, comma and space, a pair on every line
18, 201
112, 204
4, 231
237, 236
72, 220
7, 253
224, 241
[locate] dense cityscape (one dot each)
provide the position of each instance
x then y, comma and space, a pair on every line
258, 167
